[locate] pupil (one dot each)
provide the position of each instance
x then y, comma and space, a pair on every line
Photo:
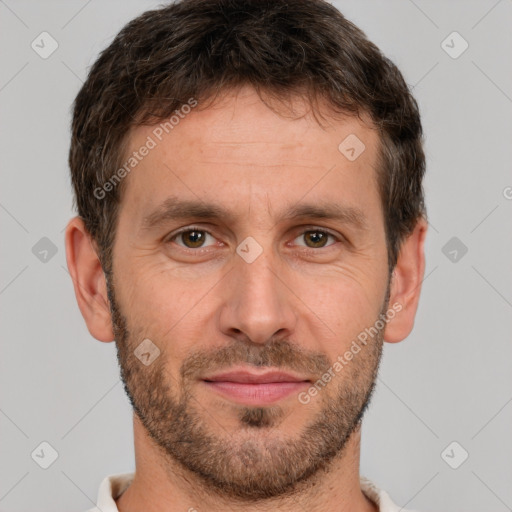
195, 238
317, 238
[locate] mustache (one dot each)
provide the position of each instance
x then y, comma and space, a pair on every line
277, 353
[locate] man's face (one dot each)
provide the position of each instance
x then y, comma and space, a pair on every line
252, 288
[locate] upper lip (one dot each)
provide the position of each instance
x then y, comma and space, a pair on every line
252, 377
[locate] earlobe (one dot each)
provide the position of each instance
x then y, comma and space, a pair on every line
406, 284
88, 280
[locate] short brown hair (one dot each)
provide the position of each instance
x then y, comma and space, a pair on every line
198, 48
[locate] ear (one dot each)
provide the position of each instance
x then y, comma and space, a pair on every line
406, 284
88, 280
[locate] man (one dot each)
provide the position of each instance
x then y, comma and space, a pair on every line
248, 178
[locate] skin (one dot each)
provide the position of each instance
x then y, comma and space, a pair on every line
298, 306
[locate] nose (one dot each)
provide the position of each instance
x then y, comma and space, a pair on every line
258, 303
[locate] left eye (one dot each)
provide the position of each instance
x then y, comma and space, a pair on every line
315, 239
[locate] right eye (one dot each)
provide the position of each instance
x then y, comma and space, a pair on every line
191, 238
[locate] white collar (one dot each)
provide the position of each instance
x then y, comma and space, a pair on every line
114, 485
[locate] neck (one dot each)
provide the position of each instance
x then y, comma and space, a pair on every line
161, 484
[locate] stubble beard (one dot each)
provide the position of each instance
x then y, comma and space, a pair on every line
258, 461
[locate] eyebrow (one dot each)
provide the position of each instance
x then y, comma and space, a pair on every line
174, 208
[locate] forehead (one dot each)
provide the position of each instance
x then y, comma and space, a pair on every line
239, 145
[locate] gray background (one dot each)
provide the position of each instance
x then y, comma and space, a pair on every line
449, 381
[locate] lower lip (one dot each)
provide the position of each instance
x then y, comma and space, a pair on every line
256, 394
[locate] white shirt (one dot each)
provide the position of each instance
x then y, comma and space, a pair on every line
113, 486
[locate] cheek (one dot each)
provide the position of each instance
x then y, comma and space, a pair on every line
342, 308
170, 311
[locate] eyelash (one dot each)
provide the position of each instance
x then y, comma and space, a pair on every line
311, 229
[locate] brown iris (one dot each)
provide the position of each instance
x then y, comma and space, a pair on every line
318, 238
194, 237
